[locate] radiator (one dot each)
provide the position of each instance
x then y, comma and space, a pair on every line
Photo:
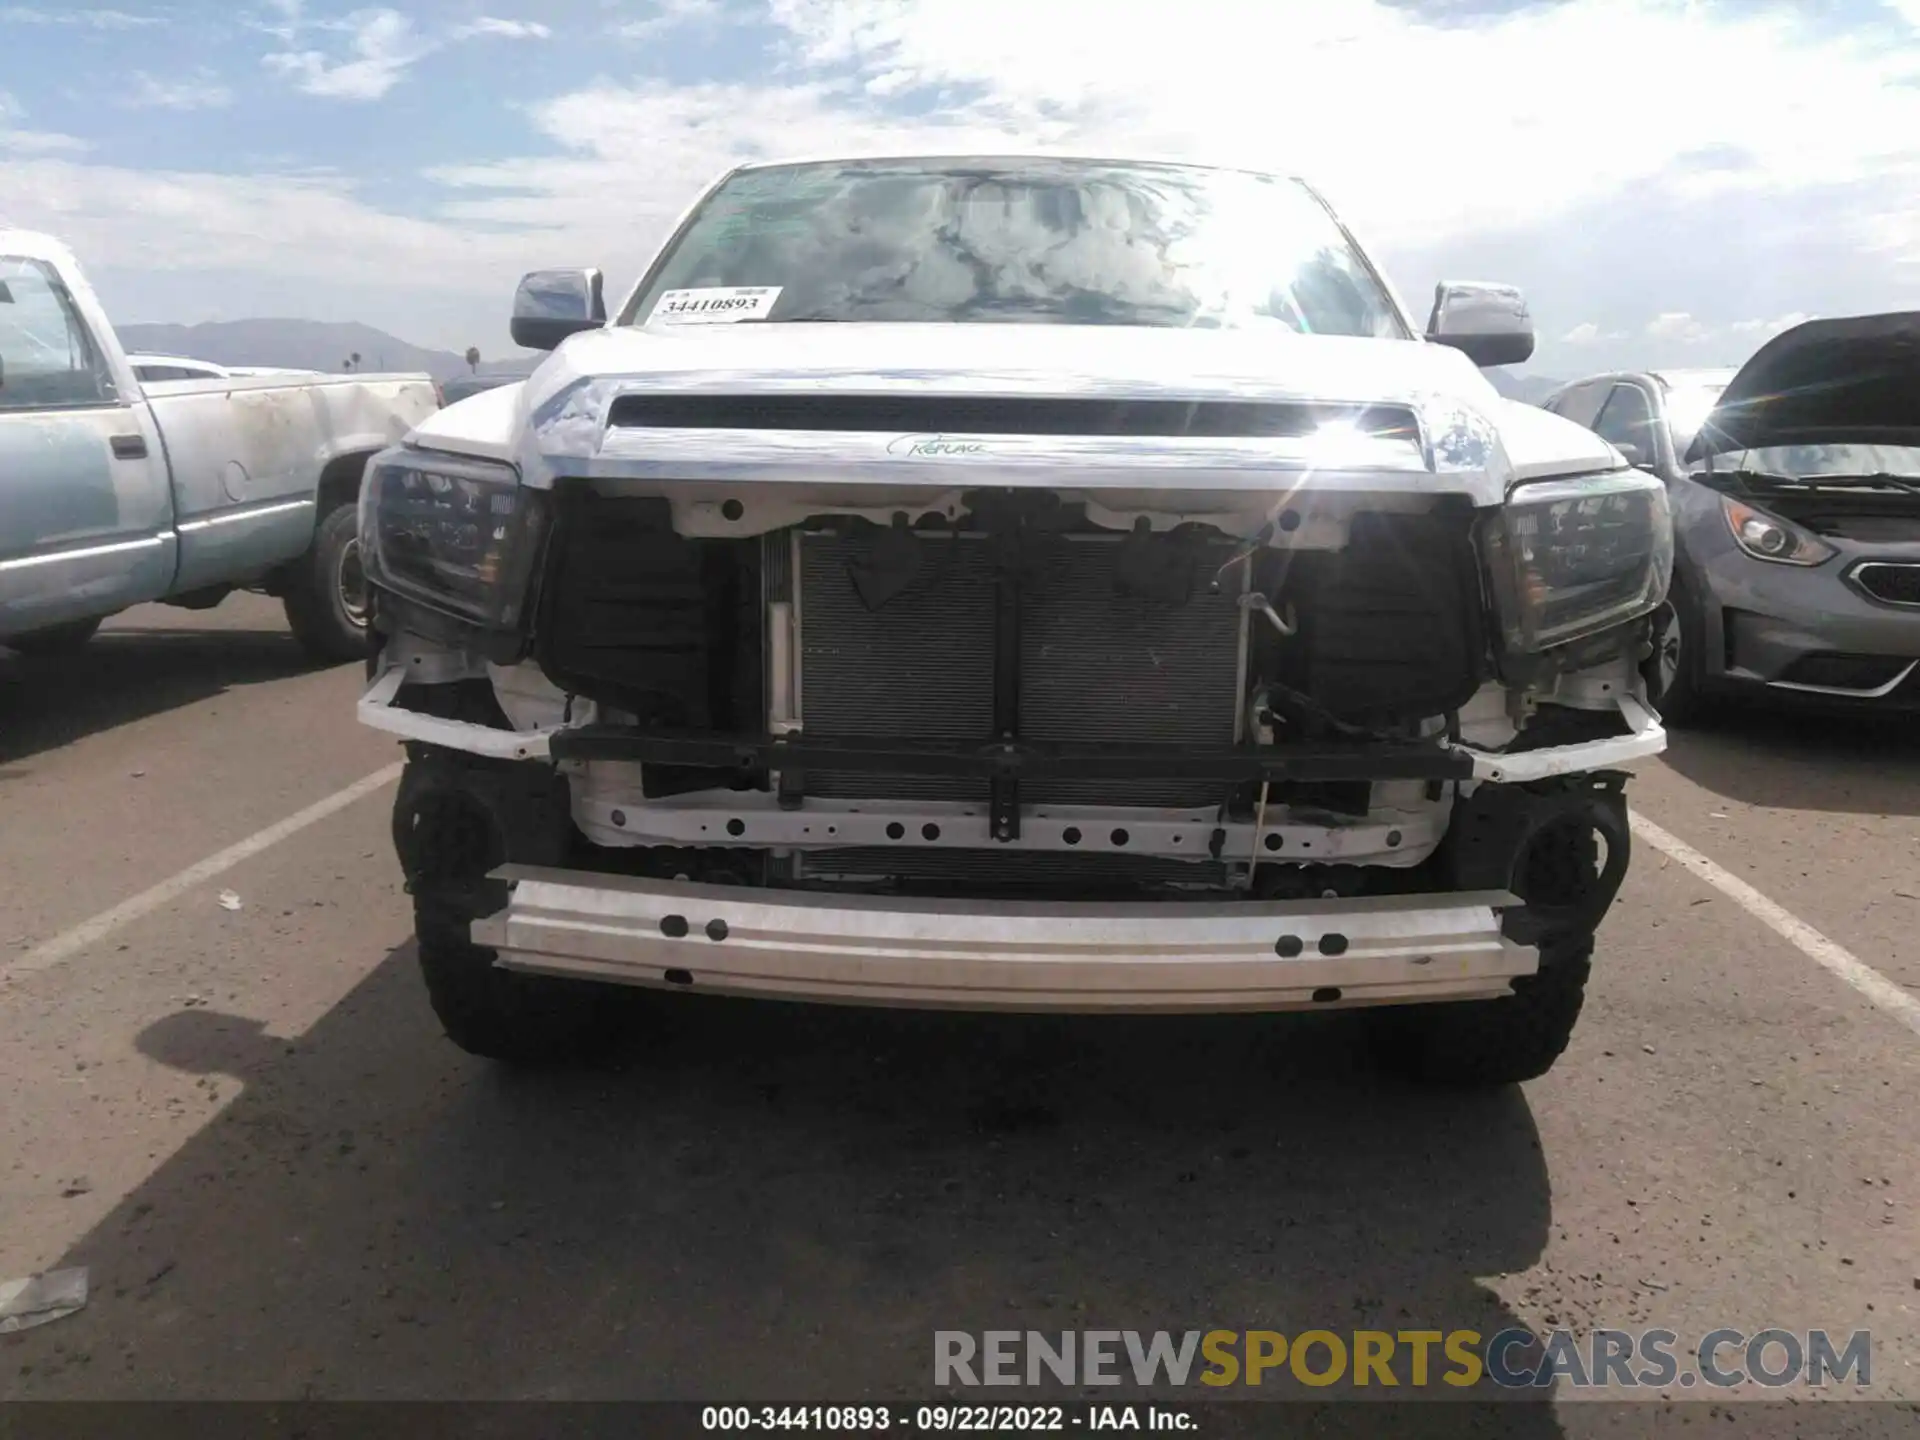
1095, 665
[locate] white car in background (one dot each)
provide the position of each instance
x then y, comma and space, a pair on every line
158, 369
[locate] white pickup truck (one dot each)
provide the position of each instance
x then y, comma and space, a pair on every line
1020, 583
115, 492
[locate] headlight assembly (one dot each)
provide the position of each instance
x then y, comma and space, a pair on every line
1767, 537
1568, 558
461, 536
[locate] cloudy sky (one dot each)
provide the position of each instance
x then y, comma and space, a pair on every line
1669, 179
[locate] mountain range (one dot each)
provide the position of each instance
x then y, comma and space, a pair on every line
319, 345
308, 345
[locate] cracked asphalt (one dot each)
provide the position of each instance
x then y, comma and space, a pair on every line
284, 1182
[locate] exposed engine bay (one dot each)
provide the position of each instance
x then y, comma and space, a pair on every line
1013, 698
1888, 517
1876, 510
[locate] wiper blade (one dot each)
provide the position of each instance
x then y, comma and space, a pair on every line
1755, 475
1910, 484
1716, 479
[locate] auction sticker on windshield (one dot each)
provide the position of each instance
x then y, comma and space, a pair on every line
714, 305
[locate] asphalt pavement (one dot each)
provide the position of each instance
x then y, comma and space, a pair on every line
284, 1182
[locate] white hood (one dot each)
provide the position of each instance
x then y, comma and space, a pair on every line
556, 423
480, 425
987, 359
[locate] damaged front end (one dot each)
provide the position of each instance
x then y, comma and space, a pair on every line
1225, 706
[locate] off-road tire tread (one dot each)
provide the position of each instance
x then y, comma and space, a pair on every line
523, 1020
1494, 1042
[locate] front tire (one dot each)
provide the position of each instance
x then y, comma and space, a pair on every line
1672, 672
524, 1020
326, 598
54, 640
454, 823
1484, 1043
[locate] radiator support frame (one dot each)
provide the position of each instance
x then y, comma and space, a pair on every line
750, 756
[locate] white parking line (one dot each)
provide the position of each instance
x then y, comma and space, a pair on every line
69, 943
1825, 953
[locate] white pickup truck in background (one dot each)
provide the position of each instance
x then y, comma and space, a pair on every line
115, 493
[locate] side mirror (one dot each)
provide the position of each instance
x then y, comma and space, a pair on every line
550, 305
1489, 324
1634, 455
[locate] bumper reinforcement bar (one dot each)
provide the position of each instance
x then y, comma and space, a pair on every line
1001, 955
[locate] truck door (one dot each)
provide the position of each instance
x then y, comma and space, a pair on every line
85, 513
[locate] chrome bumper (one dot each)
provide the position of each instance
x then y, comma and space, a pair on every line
993, 955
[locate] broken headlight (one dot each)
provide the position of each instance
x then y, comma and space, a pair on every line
461, 536
1567, 558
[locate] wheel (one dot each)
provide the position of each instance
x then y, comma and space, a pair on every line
1493, 1042
326, 598
529, 1020
451, 832
1672, 671
55, 639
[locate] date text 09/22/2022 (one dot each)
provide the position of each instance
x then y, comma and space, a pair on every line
977, 1419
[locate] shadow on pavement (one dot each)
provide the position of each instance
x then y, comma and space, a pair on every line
770, 1202
124, 675
1800, 760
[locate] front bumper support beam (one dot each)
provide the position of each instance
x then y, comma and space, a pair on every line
1005, 955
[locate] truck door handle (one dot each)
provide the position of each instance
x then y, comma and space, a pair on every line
129, 447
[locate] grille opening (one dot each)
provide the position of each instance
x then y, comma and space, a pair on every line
1889, 583
917, 657
1003, 415
1118, 637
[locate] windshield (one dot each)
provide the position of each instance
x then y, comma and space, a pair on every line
1812, 461
1026, 242
1687, 409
